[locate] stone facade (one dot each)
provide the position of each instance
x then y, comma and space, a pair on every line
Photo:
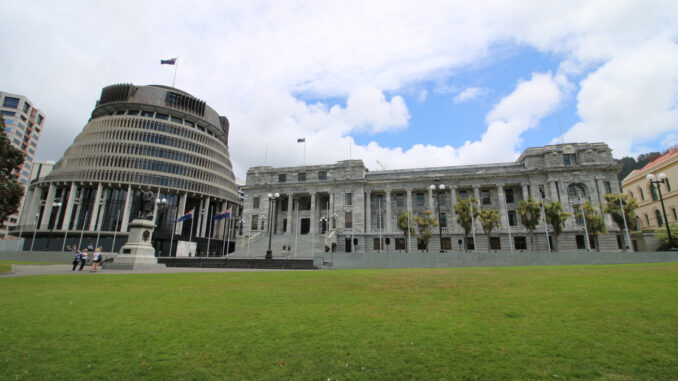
344, 203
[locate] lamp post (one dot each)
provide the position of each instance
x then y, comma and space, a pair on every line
272, 198
583, 217
438, 187
658, 183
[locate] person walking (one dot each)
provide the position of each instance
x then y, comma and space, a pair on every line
76, 259
96, 259
83, 259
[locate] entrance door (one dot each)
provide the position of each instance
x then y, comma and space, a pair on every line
305, 225
348, 244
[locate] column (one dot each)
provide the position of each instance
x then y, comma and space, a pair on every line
314, 220
526, 194
553, 190
69, 207
127, 209
368, 211
453, 202
94, 214
44, 220
331, 212
476, 192
431, 205
102, 208
182, 210
290, 205
388, 211
503, 216
204, 216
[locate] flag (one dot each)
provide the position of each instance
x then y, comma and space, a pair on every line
186, 217
301, 140
225, 214
170, 61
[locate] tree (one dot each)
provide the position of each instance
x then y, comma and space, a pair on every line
663, 237
614, 209
425, 225
489, 220
556, 218
406, 225
530, 213
10, 189
463, 209
594, 221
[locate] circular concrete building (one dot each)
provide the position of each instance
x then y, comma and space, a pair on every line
139, 139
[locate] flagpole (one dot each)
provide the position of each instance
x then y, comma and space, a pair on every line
304, 151
176, 65
222, 240
190, 234
209, 236
172, 240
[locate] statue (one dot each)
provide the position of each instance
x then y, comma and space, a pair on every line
148, 202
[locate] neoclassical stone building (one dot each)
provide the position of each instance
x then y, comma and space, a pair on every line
350, 208
152, 138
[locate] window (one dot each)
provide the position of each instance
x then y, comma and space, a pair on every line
577, 214
189, 123
301, 176
400, 244
420, 199
463, 194
282, 178
8, 113
176, 120
443, 220
668, 186
485, 196
421, 245
133, 112
26, 107
11, 102
400, 200
162, 116
470, 244
255, 203
495, 243
658, 215
642, 195
620, 244
255, 222
608, 187
575, 190
520, 243
348, 220
322, 175
653, 191
569, 159
631, 194
647, 220
447, 243
541, 192
509, 196
512, 218
147, 113
675, 216
348, 199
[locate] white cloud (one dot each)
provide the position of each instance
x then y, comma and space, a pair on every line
468, 94
671, 140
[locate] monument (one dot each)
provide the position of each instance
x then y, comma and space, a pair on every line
138, 253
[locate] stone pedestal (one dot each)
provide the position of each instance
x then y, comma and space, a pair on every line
137, 253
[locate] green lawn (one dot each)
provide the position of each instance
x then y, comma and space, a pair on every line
6, 265
576, 322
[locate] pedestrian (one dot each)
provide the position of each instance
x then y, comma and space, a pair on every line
76, 259
96, 259
83, 259
90, 247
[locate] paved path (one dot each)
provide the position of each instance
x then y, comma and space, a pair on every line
28, 270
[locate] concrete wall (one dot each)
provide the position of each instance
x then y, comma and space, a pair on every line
37, 256
480, 259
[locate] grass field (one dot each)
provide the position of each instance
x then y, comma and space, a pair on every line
616, 322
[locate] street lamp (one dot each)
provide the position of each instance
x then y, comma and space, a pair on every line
272, 198
662, 180
438, 187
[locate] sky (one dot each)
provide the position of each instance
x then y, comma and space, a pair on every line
397, 84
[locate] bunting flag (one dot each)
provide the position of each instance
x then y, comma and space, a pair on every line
225, 214
171, 61
301, 140
186, 217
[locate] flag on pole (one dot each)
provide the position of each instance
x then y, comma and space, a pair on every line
225, 214
186, 217
301, 140
170, 61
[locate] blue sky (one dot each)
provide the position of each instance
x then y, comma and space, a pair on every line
405, 83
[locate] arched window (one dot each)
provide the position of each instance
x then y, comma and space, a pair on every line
631, 194
653, 191
657, 214
642, 195
575, 190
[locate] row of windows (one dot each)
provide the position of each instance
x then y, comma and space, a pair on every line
301, 177
141, 136
125, 177
179, 130
125, 162
197, 140
653, 190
